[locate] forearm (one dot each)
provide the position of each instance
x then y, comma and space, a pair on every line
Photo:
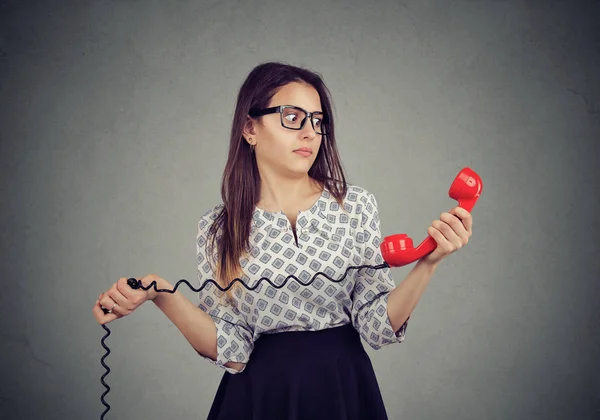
196, 325
403, 299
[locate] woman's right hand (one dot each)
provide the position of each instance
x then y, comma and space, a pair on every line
122, 300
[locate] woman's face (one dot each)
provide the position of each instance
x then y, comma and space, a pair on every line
276, 146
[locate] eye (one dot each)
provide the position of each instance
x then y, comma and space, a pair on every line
291, 116
317, 122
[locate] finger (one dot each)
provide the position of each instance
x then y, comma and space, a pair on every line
135, 296
457, 226
100, 316
108, 303
122, 302
439, 238
465, 216
124, 288
453, 241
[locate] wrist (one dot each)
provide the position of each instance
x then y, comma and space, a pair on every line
427, 264
160, 284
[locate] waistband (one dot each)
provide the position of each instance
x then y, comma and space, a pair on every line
289, 343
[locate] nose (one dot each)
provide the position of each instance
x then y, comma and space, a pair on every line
308, 131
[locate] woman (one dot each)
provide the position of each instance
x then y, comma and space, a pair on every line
291, 349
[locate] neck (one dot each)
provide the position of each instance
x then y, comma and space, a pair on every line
278, 194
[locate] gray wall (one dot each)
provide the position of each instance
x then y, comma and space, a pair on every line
114, 123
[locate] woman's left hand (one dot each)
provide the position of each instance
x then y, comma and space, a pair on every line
451, 233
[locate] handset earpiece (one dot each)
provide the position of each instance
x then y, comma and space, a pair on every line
397, 250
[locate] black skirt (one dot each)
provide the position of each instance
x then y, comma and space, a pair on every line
302, 375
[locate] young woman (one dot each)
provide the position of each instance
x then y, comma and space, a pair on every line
291, 349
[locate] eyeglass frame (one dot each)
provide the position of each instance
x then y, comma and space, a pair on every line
279, 109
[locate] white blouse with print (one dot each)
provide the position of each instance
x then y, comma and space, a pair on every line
329, 240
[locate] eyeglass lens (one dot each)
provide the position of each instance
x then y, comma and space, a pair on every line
294, 118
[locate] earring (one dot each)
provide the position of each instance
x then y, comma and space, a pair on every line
252, 146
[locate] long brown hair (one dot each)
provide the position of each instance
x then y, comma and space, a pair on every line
240, 187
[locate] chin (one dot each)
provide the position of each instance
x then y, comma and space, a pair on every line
298, 169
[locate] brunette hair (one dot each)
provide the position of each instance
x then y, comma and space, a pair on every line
240, 187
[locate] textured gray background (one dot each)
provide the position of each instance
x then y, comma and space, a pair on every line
114, 123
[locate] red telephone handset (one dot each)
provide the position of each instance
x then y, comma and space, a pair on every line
397, 250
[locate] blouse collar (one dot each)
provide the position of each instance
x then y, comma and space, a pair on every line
306, 218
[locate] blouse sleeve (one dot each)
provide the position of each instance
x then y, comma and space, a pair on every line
234, 336
372, 287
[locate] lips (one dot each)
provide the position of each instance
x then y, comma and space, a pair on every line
304, 150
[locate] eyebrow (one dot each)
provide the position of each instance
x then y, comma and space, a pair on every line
300, 107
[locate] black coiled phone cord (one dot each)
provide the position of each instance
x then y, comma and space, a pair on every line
136, 284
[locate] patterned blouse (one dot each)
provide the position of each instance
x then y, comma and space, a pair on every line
330, 239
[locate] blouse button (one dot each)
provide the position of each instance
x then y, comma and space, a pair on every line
305, 231
284, 228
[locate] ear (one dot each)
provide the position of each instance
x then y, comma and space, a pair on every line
249, 129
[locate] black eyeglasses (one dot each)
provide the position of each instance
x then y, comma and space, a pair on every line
294, 117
